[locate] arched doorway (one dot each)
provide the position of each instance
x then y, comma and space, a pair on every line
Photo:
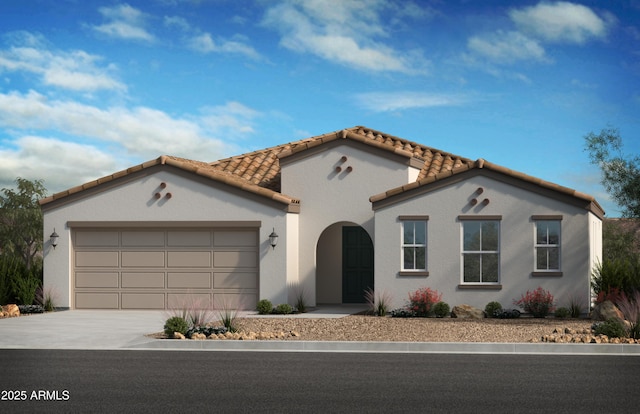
344, 264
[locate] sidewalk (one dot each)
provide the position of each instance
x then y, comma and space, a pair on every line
121, 330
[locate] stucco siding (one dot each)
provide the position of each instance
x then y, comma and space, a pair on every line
515, 206
193, 203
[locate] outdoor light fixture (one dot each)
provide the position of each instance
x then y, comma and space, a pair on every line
273, 239
54, 238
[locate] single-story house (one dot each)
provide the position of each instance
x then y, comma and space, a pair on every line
352, 209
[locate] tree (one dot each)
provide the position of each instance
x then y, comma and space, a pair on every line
620, 173
21, 220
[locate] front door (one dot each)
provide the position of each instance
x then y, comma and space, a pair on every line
357, 264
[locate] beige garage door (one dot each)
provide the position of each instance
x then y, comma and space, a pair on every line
165, 268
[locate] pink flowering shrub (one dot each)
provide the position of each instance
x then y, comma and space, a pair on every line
422, 300
539, 303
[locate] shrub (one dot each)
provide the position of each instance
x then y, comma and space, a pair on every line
378, 304
25, 288
175, 324
493, 309
539, 302
422, 300
264, 307
441, 309
507, 314
630, 308
194, 310
575, 307
283, 309
612, 327
619, 274
562, 312
229, 317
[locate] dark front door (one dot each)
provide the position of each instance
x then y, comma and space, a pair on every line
357, 264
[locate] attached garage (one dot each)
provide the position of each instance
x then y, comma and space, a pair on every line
163, 268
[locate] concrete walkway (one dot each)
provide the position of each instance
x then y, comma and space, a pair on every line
120, 330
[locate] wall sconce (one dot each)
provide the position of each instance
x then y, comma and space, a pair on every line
273, 239
54, 238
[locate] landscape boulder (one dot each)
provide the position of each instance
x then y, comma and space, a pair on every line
466, 312
11, 310
606, 310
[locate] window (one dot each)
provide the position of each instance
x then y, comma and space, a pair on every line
480, 251
547, 245
414, 245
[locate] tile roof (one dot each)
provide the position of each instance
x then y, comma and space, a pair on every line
262, 167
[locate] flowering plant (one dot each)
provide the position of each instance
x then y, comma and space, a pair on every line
539, 303
422, 300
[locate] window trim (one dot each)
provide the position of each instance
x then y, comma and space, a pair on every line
480, 285
414, 272
546, 272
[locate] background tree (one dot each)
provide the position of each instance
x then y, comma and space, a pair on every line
21, 220
620, 173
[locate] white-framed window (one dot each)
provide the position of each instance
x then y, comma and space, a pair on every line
547, 245
481, 250
414, 245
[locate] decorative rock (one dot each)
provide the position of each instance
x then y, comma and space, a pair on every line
606, 310
178, 335
466, 312
11, 311
198, 336
295, 334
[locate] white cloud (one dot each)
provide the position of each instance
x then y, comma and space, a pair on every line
507, 47
124, 22
204, 43
397, 101
74, 70
342, 32
560, 22
177, 21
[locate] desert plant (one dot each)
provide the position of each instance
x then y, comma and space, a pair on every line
283, 309
620, 274
562, 312
612, 327
492, 309
441, 309
264, 307
630, 308
575, 307
538, 303
301, 303
422, 300
378, 303
194, 310
229, 317
175, 324
25, 288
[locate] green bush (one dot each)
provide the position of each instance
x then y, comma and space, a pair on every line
175, 324
441, 309
612, 327
562, 312
264, 307
283, 309
622, 275
25, 288
493, 309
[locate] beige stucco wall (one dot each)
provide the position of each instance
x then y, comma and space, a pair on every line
329, 197
195, 202
444, 234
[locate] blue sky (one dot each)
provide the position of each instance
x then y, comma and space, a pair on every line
88, 88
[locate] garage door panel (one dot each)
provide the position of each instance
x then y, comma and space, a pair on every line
235, 300
189, 238
235, 259
142, 300
189, 280
235, 280
142, 259
96, 259
189, 259
95, 300
235, 238
97, 279
189, 300
160, 268
143, 238
97, 239
146, 280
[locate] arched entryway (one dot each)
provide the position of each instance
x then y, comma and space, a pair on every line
344, 264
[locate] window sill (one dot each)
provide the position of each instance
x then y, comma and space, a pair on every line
546, 274
413, 273
479, 287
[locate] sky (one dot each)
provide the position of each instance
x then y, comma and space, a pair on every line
89, 88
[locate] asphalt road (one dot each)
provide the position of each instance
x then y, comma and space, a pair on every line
167, 382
